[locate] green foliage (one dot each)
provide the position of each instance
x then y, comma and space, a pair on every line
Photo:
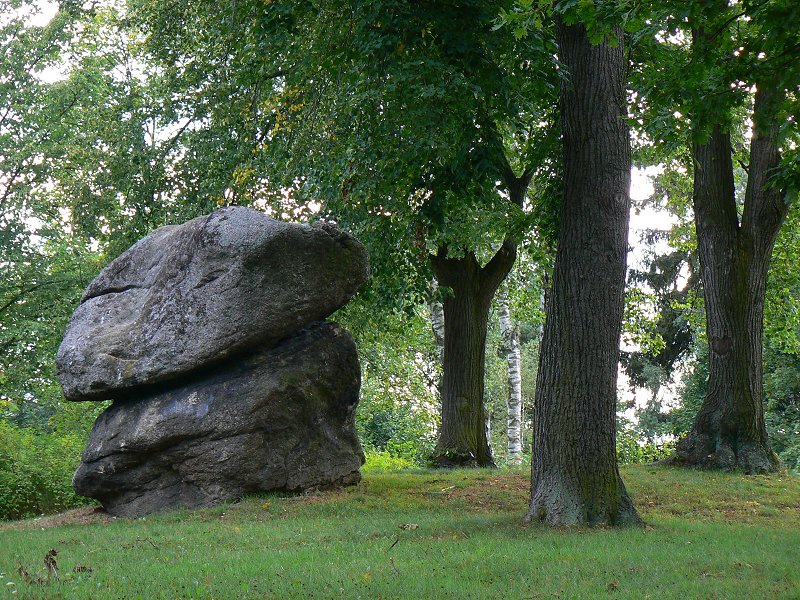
631, 449
526, 283
398, 411
80, 180
638, 326
599, 17
42, 284
402, 119
395, 428
691, 393
385, 460
782, 399
782, 345
36, 472
42, 270
782, 306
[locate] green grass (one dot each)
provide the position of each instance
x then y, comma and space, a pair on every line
456, 534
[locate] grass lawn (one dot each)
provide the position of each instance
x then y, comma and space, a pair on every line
454, 534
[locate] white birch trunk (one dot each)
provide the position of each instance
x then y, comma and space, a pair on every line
511, 347
543, 304
437, 324
489, 426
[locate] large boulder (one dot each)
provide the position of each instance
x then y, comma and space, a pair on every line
190, 296
282, 418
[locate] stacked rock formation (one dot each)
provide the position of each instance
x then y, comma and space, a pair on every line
209, 338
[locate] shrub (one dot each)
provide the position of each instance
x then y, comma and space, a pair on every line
382, 460
630, 450
36, 472
399, 430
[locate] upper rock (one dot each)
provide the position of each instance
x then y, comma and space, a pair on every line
188, 296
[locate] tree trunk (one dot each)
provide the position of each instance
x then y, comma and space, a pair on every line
729, 430
462, 435
575, 479
510, 335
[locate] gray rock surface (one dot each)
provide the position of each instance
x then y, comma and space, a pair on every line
190, 296
281, 419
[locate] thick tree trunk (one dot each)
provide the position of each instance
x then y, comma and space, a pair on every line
729, 430
462, 435
575, 479
510, 335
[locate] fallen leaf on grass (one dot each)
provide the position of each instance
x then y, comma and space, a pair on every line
26, 576
50, 563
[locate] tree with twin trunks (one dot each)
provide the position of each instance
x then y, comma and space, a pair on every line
738, 77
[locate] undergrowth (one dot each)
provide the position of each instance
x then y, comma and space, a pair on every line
36, 472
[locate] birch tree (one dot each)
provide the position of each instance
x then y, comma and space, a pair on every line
510, 335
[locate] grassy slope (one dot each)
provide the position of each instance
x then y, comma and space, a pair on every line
709, 536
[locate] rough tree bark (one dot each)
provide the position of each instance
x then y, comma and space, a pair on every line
729, 430
575, 479
462, 435
511, 348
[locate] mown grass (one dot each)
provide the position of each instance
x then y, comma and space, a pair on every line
455, 534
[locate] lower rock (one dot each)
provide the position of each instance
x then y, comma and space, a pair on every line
281, 419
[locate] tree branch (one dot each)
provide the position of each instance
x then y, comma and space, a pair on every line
764, 207
497, 268
519, 187
25, 291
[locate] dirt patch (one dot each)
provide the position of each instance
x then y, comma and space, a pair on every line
316, 496
496, 494
86, 515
